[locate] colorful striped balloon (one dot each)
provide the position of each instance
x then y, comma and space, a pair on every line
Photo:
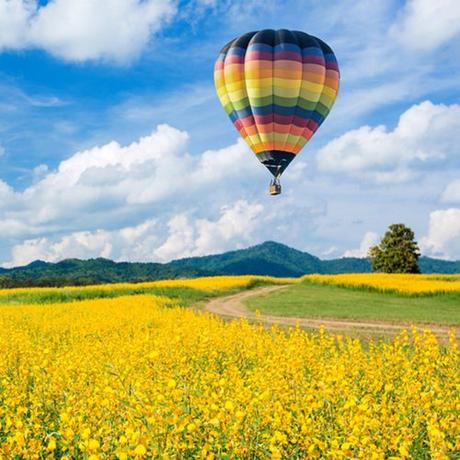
277, 87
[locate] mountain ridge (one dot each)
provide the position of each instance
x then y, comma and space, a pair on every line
268, 258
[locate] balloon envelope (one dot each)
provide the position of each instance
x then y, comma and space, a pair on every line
277, 87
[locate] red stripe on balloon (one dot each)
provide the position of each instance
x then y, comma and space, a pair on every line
289, 129
313, 59
246, 121
263, 119
259, 56
234, 59
288, 56
332, 65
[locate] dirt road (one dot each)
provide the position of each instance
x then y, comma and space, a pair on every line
233, 307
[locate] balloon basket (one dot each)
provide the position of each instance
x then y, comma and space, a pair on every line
275, 187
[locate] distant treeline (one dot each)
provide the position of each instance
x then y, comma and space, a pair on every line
269, 258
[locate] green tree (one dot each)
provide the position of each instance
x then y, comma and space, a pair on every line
398, 252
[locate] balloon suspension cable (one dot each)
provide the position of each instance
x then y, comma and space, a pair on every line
275, 185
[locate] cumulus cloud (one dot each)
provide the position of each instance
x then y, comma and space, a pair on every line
138, 241
331, 252
443, 239
14, 17
233, 228
452, 192
369, 239
184, 235
427, 24
5, 191
115, 30
176, 204
102, 186
81, 245
149, 200
427, 136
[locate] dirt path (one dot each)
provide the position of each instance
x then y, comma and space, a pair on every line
233, 307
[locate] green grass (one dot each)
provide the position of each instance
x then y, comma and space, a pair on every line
184, 296
326, 301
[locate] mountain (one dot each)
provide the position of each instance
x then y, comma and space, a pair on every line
268, 258
78, 272
429, 265
346, 265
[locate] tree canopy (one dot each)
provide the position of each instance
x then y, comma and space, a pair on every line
398, 252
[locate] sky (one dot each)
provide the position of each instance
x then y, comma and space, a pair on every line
113, 142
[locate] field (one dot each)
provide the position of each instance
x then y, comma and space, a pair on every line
184, 292
123, 372
331, 300
401, 283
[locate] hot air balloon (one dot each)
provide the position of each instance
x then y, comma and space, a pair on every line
277, 87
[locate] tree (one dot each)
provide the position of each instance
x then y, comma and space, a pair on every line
398, 252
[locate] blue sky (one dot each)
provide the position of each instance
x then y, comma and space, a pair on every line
113, 143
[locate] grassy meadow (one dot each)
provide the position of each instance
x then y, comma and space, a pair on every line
184, 292
330, 300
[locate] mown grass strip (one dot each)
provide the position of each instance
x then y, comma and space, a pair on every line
326, 300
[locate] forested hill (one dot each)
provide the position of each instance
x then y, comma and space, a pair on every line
269, 258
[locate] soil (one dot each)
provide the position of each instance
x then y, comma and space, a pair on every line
233, 307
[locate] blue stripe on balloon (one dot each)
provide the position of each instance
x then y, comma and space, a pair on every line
266, 110
316, 116
312, 50
330, 58
280, 110
236, 50
243, 113
273, 108
287, 47
233, 116
277, 110
260, 47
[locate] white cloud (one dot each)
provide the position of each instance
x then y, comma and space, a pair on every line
130, 242
14, 18
427, 136
180, 239
176, 204
452, 192
99, 187
81, 245
5, 191
185, 235
233, 228
331, 252
39, 172
369, 239
427, 24
2, 150
115, 30
443, 239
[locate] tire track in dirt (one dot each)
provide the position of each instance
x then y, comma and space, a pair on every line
232, 307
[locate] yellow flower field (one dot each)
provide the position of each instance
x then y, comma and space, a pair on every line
410, 284
209, 284
132, 378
